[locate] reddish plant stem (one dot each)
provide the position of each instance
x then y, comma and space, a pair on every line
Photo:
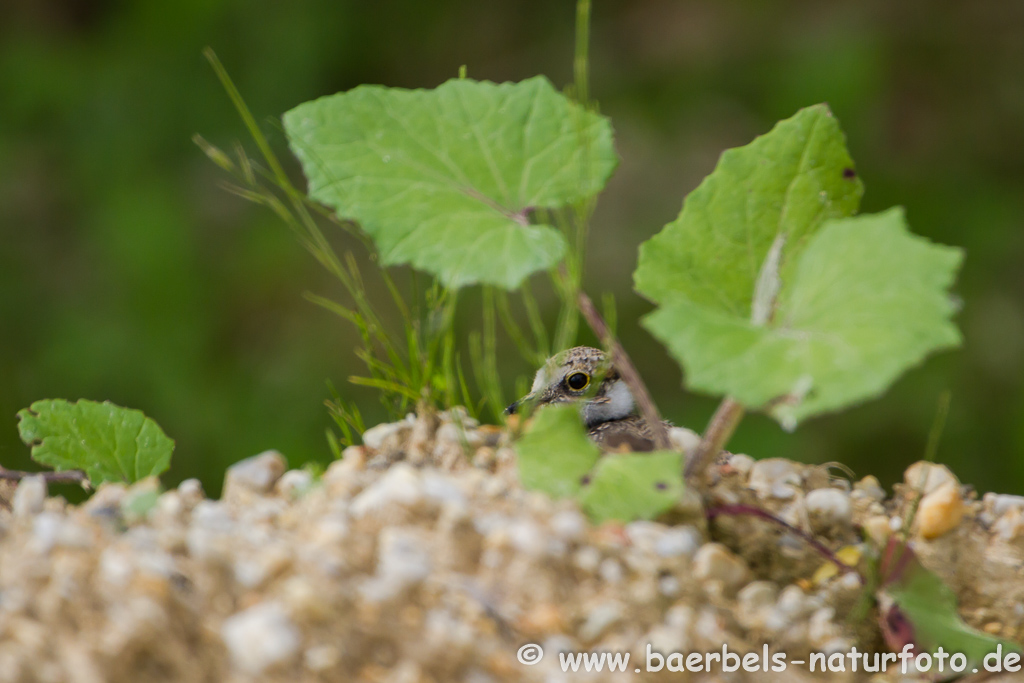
723, 423
625, 366
66, 477
752, 511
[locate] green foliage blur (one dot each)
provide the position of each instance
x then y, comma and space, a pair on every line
127, 274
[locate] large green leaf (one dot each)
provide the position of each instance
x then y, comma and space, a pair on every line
784, 184
632, 486
109, 442
866, 300
445, 179
555, 455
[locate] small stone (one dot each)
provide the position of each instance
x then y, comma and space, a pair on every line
599, 619
30, 496
926, 477
46, 531
741, 463
106, 502
680, 541
542, 619
293, 484
260, 637
403, 560
256, 474
716, 562
940, 511
587, 558
485, 458
526, 537
828, 509
877, 529
668, 586
643, 534
753, 602
775, 478
400, 485
568, 525
870, 488
683, 439
387, 434
1001, 503
321, 657
821, 627
442, 489
191, 492
611, 570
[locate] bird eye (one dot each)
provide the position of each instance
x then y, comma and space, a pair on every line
577, 381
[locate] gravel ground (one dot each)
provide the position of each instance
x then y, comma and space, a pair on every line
418, 558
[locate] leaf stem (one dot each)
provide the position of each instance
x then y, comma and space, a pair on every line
753, 511
723, 423
622, 362
65, 477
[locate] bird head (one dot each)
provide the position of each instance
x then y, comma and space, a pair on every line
570, 377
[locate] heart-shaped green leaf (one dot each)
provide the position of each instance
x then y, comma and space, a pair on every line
787, 182
867, 300
555, 455
631, 486
770, 292
445, 179
109, 442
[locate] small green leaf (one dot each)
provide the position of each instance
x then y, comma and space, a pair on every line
140, 500
785, 183
109, 442
445, 179
867, 300
930, 606
633, 486
556, 455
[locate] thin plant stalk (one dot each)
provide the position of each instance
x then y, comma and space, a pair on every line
723, 423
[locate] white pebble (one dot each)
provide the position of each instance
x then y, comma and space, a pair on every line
682, 541
256, 474
442, 489
321, 657
716, 562
526, 537
46, 530
599, 619
668, 586
403, 560
260, 637
1001, 503
374, 437
828, 508
775, 478
611, 570
30, 496
294, 484
191, 492
568, 525
400, 485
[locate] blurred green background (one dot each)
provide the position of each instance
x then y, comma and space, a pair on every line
128, 274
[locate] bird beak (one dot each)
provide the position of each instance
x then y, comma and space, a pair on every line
513, 407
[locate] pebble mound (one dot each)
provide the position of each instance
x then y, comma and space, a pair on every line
418, 558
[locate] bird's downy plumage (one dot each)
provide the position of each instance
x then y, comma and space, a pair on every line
583, 375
